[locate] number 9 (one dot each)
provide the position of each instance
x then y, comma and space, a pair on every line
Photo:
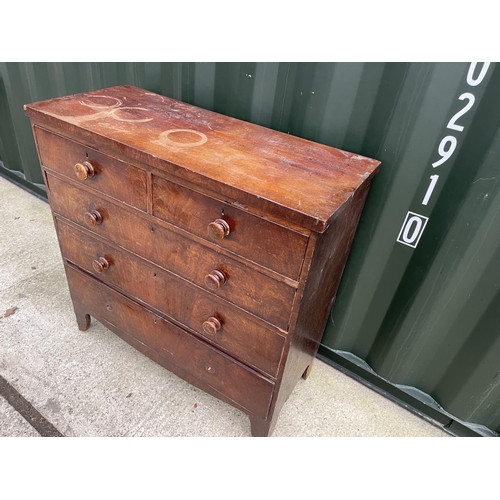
445, 153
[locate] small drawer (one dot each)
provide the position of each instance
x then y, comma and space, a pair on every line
93, 169
271, 245
177, 347
238, 333
255, 292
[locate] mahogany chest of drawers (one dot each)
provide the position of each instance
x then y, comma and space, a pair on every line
212, 245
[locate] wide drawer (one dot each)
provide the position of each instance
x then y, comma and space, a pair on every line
111, 176
261, 295
255, 238
245, 387
238, 333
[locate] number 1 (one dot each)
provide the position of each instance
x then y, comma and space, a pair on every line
430, 189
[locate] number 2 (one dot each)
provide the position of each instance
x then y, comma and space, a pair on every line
452, 123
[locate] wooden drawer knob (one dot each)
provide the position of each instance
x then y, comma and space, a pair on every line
100, 264
218, 229
215, 279
211, 325
84, 170
92, 218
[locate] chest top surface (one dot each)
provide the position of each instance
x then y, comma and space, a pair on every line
290, 177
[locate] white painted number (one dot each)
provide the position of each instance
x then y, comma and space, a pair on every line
412, 229
414, 224
473, 82
430, 189
452, 123
415, 231
445, 153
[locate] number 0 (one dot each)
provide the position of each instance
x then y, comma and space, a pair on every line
470, 75
413, 221
412, 229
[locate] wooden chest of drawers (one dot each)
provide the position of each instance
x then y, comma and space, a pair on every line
212, 245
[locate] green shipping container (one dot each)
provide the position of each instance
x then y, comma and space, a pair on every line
417, 315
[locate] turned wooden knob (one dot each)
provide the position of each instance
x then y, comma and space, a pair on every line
215, 279
218, 229
211, 325
100, 264
92, 218
84, 170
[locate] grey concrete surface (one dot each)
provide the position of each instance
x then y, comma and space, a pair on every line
94, 384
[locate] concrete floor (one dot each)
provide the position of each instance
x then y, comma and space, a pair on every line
94, 384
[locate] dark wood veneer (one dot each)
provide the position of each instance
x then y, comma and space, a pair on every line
268, 298
109, 175
239, 333
212, 245
249, 236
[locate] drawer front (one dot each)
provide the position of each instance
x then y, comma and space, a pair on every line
240, 384
113, 177
238, 333
264, 242
259, 294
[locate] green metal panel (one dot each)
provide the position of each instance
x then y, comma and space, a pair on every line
427, 317
424, 317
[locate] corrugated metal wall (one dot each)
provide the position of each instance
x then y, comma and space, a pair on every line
419, 301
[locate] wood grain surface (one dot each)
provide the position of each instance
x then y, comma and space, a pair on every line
300, 180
